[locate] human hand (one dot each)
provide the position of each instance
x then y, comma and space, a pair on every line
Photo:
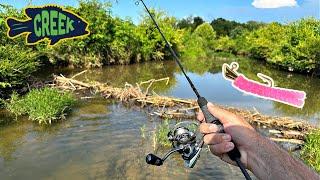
236, 129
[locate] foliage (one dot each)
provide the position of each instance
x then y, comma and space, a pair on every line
42, 105
265, 40
116, 41
16, 66
294, 46
311, 152
17, 61
190, 23
162, 134
225, 44
224, 27
152, 44
200, 42
94, 50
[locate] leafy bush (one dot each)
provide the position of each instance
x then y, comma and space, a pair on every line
311, 150
42, 105
225, 44
16, 66
295, 46
153, 46
116, 41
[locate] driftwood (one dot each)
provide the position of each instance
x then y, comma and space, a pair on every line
293, 141
284, 129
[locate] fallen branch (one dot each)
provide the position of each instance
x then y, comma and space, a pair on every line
292, 141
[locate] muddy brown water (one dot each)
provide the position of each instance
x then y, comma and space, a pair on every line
102, 139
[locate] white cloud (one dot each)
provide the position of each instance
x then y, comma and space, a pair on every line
274, 3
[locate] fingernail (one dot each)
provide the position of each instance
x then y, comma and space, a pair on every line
229, 146
226, 137
213, 127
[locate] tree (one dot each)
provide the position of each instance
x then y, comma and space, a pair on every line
197, 21
201, 42
190, 23
224, 27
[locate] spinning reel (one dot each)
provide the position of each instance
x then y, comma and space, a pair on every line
184, 141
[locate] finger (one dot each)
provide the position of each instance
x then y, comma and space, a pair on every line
200, 116
221, 148
244, 159
225, 157
216, 138
206, 128
224, 116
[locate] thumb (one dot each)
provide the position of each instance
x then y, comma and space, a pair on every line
224, 116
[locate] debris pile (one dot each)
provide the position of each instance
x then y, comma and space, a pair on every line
283, 129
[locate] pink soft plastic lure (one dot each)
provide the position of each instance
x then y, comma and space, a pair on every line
267, 91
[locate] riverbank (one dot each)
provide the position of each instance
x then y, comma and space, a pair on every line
293, 47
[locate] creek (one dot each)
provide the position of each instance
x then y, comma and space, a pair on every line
102, 139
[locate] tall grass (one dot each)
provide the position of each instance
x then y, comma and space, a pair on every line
42, 105
16, 66
311, 151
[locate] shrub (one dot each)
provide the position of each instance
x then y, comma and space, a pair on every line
42, 105
311, 151
16, 66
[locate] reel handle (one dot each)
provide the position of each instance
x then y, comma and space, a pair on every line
209, 118
154, 160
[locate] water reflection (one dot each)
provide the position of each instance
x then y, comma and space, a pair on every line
206, 74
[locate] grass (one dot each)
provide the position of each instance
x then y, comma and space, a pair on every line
311, 150
143, 131
42, 105
161, 134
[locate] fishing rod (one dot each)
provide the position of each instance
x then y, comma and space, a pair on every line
181, 136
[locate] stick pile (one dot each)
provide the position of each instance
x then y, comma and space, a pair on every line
285, 129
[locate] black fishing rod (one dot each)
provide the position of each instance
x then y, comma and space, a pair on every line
202, 102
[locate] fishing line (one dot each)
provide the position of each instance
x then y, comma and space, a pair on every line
233, 154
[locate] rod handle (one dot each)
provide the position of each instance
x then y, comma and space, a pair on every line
209, 118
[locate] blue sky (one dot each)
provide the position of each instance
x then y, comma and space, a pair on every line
239, 10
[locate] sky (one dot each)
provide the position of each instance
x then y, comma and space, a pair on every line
238, 10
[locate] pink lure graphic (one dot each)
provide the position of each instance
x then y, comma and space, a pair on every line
267, 91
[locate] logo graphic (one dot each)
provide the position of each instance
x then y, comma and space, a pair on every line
47, 22
267, 91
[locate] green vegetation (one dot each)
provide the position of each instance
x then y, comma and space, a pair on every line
200, 42
294, 46
44, 105
15, 68
161, 135
143, 131
310, 152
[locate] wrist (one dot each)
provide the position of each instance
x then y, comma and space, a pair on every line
256, 153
